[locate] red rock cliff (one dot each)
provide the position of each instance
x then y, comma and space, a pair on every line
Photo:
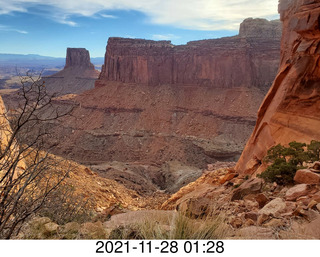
78, 57
249, 59
291, 109
155, 102
77, 76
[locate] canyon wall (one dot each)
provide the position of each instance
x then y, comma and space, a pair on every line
248, 60
77, 76
290, 111
155, 102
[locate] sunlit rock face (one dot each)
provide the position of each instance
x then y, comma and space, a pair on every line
155, 102
248, 60
290, 111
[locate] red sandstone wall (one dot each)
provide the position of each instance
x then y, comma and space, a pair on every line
291, 109
241, 61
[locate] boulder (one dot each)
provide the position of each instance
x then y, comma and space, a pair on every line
251, 215
290, 207
262, 219
249, 222
297, 191
41, 228
91, 230
262, 200
274, 223
51, 228
38, 222
250, 186
303, 200
306, 176
196, 207
274, 207
312, 204
70, 230
313, 229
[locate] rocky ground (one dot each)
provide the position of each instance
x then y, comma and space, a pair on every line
247, 208
252, 207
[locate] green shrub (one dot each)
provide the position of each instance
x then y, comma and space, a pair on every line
285, 161
314, 150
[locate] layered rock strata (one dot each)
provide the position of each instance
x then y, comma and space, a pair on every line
77, 76
290, 111
155, 102
247, 60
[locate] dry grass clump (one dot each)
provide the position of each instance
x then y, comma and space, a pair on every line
177, 227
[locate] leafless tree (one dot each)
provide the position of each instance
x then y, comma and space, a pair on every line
28, 175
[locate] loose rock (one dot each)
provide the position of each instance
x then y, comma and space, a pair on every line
262, 200
274, 207
250, 186
306, 176
297, 191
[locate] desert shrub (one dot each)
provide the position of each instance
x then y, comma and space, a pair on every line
28, 175
285, 161
314, 150
65, 205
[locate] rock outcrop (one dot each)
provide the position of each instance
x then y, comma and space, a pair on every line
155, 102
247, 204
248, 60
78, 57
253, 28
290, 111
77, 76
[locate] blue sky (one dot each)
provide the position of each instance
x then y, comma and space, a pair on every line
48, 27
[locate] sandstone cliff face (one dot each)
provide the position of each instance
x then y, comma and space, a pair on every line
290, 111
77, 76
155, 102
247, 60
253, 28
78, 57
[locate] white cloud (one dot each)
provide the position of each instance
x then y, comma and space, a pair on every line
188, 14
10, 29
64, 20
21, 31
108, 16
164, 37
7, 7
